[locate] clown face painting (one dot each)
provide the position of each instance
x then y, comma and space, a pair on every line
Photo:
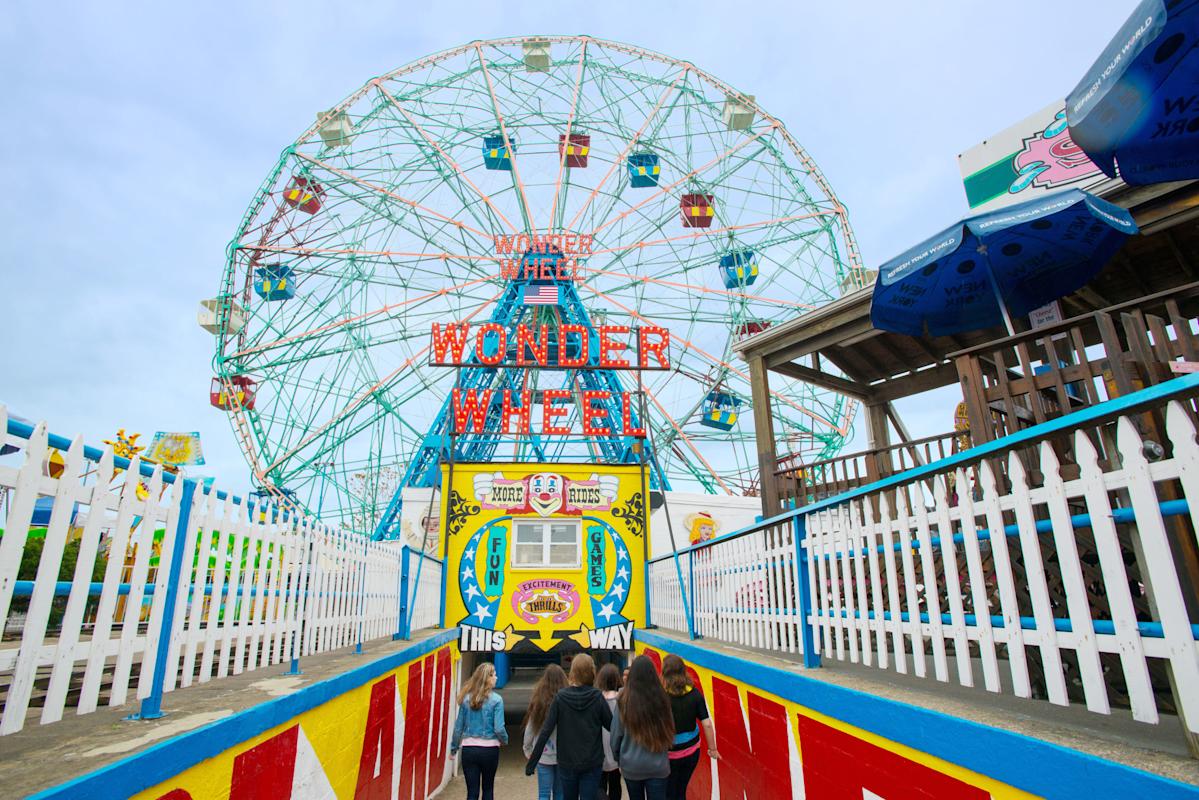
546, 493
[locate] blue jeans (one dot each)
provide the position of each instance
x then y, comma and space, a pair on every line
648, 789
548, 782
580, 784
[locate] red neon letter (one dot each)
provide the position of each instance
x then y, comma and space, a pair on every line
626, 413
449, 340
550, 412
564, 332
607, 346
659, 348
509, 269
503, 244
591, 413
470, 410
523, 412
500, 337
539, 348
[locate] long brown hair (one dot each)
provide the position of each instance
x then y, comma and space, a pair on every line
552, 681
608, 678
645, 708
477, 687
675, 679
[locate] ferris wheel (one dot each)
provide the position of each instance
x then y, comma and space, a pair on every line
701, 214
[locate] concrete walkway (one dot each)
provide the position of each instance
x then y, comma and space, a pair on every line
511, 783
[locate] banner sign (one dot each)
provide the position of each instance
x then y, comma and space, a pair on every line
1031, 157
175, 449
536, 554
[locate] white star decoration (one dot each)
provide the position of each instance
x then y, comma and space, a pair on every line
482, 612
472, 592
467, 572
622, 573
469, 555
606, 611
618, 590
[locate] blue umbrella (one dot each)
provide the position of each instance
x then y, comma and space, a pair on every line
1138, 105
985, 268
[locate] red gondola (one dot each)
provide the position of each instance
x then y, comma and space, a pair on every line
576, 149
697, 210
244, 390
304, 194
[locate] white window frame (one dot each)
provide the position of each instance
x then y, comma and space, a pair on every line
545, 523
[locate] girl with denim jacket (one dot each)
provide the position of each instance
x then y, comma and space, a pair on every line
549, 786
479, 732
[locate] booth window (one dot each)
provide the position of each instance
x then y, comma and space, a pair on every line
545, 543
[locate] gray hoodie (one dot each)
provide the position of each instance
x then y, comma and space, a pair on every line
636, 763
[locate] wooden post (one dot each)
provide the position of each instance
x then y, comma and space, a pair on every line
759, 383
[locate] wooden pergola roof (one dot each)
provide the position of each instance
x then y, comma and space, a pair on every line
836, 346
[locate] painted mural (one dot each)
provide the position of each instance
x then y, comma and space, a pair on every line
387, 738
538, 554
774, 749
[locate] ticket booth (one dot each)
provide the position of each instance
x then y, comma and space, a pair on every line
544, 558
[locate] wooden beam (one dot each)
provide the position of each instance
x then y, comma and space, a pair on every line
1133, 273
849, 361
819, 337
1187, 267
915, 382
823, 379
1093, 297
759, 383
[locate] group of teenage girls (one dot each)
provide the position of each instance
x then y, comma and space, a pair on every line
584, 732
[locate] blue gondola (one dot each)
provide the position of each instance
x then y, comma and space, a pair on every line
739, 268
643, 170
275, 282
495, 155
720, 410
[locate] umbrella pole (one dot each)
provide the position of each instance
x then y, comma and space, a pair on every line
1007, 317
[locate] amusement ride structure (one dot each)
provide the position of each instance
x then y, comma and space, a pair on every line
437, 193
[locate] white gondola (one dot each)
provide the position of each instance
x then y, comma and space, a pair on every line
738, 111
336, 129
209, 316
537, 55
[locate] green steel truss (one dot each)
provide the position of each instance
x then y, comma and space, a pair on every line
403, 238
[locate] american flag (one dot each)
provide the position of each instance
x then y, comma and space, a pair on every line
541, 295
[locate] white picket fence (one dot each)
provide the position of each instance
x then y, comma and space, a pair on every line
959, 572
424, 590
741, 589
255, 587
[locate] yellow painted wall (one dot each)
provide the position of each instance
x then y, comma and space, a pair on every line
770, 747
388, 738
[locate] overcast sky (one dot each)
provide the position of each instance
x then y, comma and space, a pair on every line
134, 135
